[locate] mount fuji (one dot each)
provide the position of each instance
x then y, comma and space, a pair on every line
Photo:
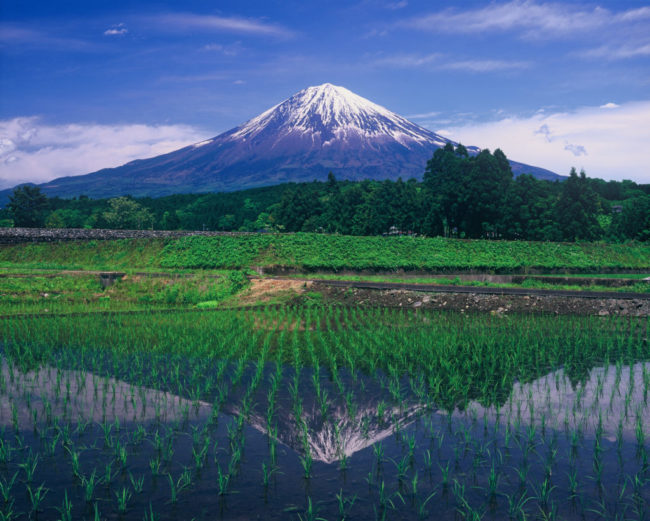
320, 129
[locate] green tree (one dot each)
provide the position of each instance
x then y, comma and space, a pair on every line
170, 220
576, 209
633, 221
528, 210
125, 213
27, 206
469, 192
55, 220
443, 178
482, 194
297, 206
65, 218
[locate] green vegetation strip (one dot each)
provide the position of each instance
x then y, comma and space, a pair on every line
83, 293
459, 358
313, 252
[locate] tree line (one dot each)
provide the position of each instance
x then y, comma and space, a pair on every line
460, 195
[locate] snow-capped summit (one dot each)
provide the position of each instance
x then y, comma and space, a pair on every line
320, 129
329, 112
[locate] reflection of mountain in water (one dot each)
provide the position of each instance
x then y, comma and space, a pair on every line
611, 398
74, 395
341, 432
81, 395
616, 398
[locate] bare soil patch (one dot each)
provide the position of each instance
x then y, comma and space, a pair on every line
273, 290
486, 303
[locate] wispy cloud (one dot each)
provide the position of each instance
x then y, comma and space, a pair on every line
423, 115
116, 30
196, 78
406, 61
607, 141
232, 49
32, 151
576, 150
527, 17
174, 22
617, 52
20, 37
442, 61
486, 65
401, 4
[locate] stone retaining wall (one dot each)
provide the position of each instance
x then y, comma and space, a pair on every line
22, 235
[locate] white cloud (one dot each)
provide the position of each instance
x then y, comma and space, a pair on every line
232, 49
610, 144
397, 5
116, 30
441, 61
617, 52
406, 61
424, 115
21, 37
576, 150
211, 23
485, 65
31, 151
609, 105
531, 18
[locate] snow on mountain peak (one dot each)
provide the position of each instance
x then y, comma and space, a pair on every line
333, 113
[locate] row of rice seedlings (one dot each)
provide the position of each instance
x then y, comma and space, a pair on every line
341, 350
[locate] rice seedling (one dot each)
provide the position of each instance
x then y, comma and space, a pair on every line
36, 497
89, 484
122, 497
474, 405
6, 486
223, 481
29, 466
65, 511
137, 483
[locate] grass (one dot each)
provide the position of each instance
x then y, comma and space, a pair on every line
90, 255
313, 252
66, 293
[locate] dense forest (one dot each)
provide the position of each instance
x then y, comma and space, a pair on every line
461, 195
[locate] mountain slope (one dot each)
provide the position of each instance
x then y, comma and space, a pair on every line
318, 130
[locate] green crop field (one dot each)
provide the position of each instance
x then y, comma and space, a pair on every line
314, 252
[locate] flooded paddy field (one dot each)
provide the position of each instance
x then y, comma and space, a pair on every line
325, 413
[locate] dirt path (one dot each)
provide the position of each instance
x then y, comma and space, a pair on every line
479, 290
500, 303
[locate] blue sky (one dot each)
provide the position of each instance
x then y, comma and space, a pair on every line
85, 85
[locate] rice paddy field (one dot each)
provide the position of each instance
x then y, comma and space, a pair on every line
324, 412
